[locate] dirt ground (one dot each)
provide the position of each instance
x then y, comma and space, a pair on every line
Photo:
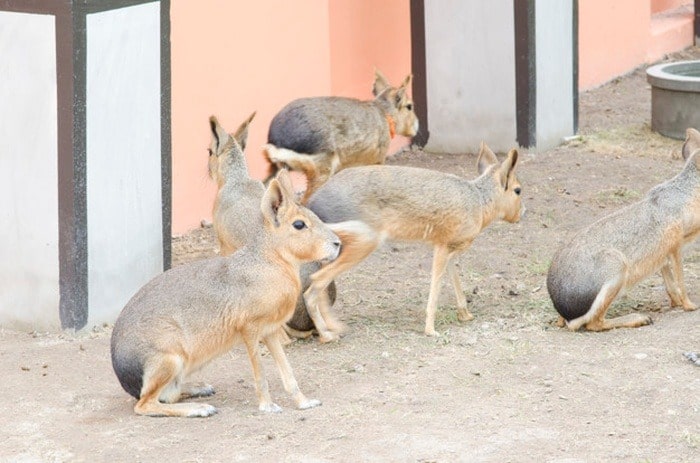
506, 387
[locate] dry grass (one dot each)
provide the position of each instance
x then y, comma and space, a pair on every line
630, 141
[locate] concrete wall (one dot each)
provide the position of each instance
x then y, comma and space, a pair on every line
471, 74
29, 290
555, 72
80, 166
125, 246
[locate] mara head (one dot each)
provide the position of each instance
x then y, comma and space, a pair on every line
396, 103
298, 234
226, 147
508, 202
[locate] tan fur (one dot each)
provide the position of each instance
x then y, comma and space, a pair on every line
366, 205
619, 250
192, 313
692, 142
343, 132
237, 218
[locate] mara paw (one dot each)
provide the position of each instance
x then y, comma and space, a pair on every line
270, 408
464, 315
328, 336
201, 411
431, 332
309, 403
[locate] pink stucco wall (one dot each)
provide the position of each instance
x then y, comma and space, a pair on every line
365, 34
613, 37
230, 58
617, 36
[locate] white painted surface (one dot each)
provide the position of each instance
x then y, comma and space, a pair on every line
29, 291
554, 62
125, 247
470, 62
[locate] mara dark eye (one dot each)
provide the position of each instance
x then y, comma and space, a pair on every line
299, 224
409, 106
517, 191
210, 151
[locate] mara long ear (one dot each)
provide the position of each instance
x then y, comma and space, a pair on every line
399, 97
278, 197
219, 135
380, 83
271, 201
241, 134
407, 81
692, 142
486, 158
285, 182
508, 168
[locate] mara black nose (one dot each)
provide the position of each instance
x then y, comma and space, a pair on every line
336, 243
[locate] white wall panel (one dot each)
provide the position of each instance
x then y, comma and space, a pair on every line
471, 74
555, 111
125, 247
29, 290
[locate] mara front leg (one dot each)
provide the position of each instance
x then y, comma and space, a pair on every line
287, 374
463, 313
441, 257
672, 273
262, 390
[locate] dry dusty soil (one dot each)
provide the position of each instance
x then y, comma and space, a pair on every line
507, 386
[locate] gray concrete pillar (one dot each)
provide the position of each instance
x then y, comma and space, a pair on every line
85, 168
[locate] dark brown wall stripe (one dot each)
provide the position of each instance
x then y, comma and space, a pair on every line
165, 131
574, 54
525, 73
418, 68
697, 21
72, 215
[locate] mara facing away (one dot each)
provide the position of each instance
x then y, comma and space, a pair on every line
236, 214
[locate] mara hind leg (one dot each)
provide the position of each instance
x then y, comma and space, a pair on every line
161, 381
594, 319
287, 374
357, 242
463, 313
632, 320
672, 274
441, 257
